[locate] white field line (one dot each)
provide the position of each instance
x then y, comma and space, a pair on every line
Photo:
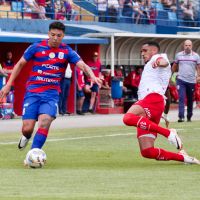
81, 138
76, 138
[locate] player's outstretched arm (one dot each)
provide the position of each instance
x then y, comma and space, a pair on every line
88, 71
160, 62
16, 70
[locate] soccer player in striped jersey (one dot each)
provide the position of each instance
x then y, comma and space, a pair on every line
50, 58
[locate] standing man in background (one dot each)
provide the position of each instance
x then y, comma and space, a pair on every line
95, 65
8, 64
65, 88
79, 91
186, 63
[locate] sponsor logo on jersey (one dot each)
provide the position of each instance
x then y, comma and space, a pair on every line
148, 112
60, 55
143, 125
48, 80
50, 66
52, 55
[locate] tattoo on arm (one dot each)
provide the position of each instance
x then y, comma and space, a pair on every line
88, 71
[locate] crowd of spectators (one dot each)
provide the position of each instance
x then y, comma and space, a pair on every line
46, 9
128, 11
145, 11
125, 11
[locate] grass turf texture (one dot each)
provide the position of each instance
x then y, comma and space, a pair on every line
95, 166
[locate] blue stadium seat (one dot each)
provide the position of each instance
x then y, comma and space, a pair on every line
162, 17
172, 16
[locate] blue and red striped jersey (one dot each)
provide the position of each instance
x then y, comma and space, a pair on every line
49, 65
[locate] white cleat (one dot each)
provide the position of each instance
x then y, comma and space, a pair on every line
174, 139
22, 142
188, 159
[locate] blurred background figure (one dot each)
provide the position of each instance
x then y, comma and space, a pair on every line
187, 64
132, 81
95, 65
65, 88
106, 84
80, 91
8, 64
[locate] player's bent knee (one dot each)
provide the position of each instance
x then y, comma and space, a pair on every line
151, 153
27, 131
129, 119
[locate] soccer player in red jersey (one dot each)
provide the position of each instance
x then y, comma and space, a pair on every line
50, 59
146, 113
79, 91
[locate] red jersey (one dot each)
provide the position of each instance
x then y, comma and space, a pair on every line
107, 80
96, 68
8, 65
133, 79
49, 65
80, 78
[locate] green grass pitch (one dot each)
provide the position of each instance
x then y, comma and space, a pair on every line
99, 164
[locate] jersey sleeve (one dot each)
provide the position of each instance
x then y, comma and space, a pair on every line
73, 57
29, 52
176, 58
198, 59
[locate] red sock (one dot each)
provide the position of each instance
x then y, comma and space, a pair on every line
144, 123
161, 154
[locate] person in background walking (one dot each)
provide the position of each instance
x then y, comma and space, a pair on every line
187, 63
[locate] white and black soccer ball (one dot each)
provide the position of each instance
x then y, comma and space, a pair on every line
35, 158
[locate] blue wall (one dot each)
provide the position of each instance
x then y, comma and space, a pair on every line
41, 26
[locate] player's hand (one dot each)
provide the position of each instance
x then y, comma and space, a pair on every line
4, 91
154, 64
97, 80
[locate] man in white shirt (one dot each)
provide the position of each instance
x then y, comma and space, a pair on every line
101, 9
65, 88
187, 64
146, 113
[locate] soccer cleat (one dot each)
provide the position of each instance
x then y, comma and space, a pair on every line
188, 159
181, 120
22, 142
174, 139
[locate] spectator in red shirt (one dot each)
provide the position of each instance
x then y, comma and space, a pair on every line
106, 79
95, 65
80, 93
8, 64
132, 81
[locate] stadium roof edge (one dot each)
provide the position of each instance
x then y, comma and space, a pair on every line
34, 37
143, 35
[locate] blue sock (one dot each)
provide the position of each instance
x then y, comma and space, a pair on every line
39, 138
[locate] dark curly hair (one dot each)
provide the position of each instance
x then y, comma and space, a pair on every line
57, 25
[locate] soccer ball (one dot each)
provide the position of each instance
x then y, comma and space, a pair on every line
35, 158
